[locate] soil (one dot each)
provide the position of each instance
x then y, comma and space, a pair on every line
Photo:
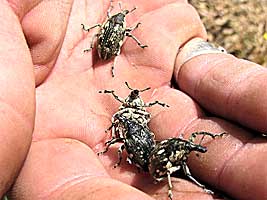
240, 26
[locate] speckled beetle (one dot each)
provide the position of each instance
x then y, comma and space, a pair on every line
171, 155
137, 139
131, 123
111, 35
133, 107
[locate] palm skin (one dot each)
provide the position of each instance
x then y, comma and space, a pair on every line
71, 116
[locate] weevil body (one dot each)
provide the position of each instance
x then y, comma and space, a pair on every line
130, 126
171, 155
137, 139
111, 34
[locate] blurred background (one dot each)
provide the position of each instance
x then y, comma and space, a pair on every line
240, 26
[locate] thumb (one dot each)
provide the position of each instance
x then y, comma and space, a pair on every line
17, 97
230, 87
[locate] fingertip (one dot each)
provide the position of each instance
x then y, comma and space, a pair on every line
230, 87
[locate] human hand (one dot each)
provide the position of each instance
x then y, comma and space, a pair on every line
71, 115
17, 99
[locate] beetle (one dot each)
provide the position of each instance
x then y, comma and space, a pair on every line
137, 139
111, 35
170, 155
132, 107
130, 126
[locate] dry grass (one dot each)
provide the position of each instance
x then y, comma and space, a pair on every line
240, 26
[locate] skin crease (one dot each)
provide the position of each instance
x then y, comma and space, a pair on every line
71, 115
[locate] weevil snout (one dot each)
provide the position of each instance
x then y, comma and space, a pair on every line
196, 147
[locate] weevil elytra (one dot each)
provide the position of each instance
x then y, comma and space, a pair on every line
170, 155
130, 126
111, 35
138, 141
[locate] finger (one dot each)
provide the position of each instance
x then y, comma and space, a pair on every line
234, 163
171, 121
17, 97
66, 169
44, 24
211, 167
53, 165
227, 86
88, 13
163, 37
103, 189
182, 189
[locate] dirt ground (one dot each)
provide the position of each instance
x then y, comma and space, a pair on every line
240, 26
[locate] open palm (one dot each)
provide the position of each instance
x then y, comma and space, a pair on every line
71, 116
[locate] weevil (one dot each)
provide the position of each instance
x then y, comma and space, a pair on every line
171, 155
137, 139
132, 107
130, 124
111, 35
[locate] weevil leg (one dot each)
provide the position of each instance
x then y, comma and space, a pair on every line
188, 174
88, 29
170, 195
92, 43
156, 102
114, 95
110, 127
195, 134
109, 143
113, 65
120, 150
120, 5
136, 40
133, 28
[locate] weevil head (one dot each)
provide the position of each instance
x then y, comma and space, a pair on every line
134, 99
134, 94
125, 12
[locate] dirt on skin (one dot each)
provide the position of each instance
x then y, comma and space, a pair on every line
240, 26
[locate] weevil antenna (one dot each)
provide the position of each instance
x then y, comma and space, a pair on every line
128, 86
120, 6
201, 140
148, 88
133, 9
